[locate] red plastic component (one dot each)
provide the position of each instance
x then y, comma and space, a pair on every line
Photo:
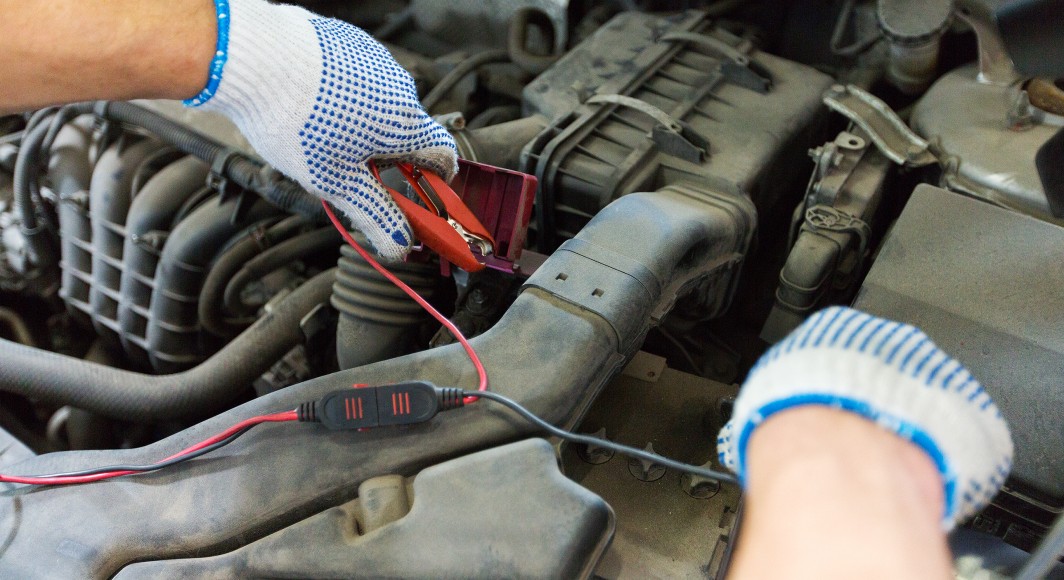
502, 200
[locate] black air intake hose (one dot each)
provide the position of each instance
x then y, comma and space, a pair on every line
38, 246
62, 380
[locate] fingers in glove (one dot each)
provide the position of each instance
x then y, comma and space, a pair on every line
371, 210
441, 159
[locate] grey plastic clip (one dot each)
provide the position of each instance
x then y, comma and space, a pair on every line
672, 136
735, 66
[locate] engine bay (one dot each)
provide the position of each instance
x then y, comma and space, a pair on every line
707, 175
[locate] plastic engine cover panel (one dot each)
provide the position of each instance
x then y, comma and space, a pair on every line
985, 284
505, 512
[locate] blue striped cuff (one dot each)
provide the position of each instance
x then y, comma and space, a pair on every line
221, 54
904, 429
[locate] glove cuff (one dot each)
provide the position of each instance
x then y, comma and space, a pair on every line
263, 77
889, 373
259, 58
221, 55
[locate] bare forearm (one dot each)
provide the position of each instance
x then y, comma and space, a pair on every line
71, 50
833, 496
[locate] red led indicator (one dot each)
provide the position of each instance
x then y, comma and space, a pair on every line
353, 408
400, 404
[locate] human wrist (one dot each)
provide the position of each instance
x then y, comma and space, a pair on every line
141, 62
892, 375
257, 46
867, 495
210, 76
830, 445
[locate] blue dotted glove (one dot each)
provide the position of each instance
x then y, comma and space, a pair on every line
318, 98
890, 373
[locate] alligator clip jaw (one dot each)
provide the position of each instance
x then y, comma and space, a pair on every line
447, 226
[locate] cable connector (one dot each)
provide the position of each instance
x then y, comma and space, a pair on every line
404, 403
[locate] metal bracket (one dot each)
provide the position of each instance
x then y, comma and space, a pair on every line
673, 137
886, 129
995, 64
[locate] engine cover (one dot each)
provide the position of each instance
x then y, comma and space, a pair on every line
985, 284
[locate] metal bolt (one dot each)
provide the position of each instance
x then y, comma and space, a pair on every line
595, 454
700, 487
477, 296
646, 470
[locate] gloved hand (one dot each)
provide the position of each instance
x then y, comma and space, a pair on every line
317, 98
890, 373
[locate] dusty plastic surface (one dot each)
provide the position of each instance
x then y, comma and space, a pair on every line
597, 150
548, 352
529, 521
985, 284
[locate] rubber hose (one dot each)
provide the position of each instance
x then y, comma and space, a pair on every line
245, 170
377, 319
61, 380
456, 74
19, 331
227, 265
494, 116
64, 116
517, 40
38, 247
499, 145
302, 246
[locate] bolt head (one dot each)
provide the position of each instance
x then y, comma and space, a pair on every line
699, 487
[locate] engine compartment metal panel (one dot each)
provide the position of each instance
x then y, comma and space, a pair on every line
987, 285
967, 122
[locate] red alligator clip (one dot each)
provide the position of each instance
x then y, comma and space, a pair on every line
447, 226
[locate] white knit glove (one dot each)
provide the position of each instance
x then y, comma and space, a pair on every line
317, 98
894, 375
